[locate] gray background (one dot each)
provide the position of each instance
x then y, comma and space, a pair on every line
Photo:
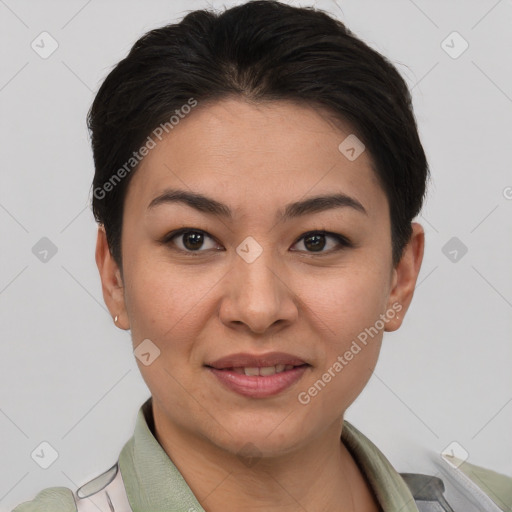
68, 375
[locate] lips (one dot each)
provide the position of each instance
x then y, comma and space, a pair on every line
258, 376
255, 386
244, 360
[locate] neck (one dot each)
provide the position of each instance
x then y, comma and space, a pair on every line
320, 476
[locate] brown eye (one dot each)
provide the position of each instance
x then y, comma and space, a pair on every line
192, 240
316, 241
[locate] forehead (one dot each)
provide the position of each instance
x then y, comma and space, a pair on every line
270, 152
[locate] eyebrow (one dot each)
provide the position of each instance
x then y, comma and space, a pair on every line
210, 206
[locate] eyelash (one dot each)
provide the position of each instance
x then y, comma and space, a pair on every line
343, 242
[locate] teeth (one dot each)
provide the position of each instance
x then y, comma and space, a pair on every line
268, 370
264, 371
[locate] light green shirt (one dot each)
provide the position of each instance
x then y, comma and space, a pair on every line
153, 483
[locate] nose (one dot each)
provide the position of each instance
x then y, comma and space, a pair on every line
258, 296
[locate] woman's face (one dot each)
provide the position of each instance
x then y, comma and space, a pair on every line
253, 281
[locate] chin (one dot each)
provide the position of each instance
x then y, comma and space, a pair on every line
261, 438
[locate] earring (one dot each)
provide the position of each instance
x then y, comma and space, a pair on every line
115, 319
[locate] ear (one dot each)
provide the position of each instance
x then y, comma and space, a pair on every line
111, 280
405, 275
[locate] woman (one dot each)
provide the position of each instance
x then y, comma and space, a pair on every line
257, 176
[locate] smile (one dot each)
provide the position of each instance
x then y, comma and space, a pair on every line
259, 382
263, 371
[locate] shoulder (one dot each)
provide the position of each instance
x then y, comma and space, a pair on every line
486, 486
52, 499
107, 489
62, 499
460, 486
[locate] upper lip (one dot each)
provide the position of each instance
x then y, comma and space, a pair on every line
245, 360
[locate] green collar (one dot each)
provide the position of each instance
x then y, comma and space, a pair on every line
154, 483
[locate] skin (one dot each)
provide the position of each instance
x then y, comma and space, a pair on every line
195, 309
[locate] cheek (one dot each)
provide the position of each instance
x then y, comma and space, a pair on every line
346, 311
349, 300
349, 346
168, 305
150, 299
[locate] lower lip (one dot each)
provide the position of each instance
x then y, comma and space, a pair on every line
255, 386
